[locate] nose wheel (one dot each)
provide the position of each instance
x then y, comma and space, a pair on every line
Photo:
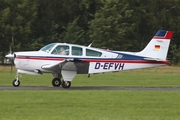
16, 83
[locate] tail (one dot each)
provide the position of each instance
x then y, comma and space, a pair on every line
158, 47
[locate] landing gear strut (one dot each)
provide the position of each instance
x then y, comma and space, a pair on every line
16, 82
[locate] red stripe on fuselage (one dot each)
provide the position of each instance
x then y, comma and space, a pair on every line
130, 61
95, 60
39, 58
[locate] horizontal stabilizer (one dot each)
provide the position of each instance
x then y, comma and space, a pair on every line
153, 59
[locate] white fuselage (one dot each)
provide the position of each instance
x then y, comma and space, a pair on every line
91, 60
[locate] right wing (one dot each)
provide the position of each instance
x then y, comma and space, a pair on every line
52, 67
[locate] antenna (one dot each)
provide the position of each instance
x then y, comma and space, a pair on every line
91, 43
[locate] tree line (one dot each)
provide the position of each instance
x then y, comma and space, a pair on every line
125, 25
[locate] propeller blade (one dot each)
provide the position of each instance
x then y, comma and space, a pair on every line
11, 65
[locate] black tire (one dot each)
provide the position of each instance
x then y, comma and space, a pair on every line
66, 84
16, 83
56, 82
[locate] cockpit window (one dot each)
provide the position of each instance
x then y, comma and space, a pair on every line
76, 51
48, 47
93, 53
61, 50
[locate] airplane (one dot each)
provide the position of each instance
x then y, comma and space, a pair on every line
65, 60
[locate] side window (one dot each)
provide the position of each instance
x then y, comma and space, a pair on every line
93, 53
76, 51
61, 50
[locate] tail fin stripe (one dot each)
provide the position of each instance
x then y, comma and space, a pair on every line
163, 34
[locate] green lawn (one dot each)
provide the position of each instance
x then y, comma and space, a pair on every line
153, 77
89, 105
94, 105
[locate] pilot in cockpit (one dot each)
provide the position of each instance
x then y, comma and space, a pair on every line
62, 51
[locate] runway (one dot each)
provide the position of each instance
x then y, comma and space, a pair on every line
91, 88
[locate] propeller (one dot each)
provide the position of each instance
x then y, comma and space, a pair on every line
10, 55
12, 59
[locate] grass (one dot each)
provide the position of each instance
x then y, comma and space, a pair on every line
94, 105
89, 105
166, 76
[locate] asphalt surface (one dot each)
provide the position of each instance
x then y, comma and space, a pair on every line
91, 88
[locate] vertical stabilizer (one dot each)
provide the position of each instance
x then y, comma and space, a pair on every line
158, 47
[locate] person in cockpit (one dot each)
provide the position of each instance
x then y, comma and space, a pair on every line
62, 51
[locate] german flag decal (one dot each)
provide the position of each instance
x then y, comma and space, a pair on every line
157, 47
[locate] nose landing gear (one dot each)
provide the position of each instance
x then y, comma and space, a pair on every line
16, 81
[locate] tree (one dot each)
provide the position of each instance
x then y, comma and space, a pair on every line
54, 17
112, 26
73, 33
16, 21
175, 51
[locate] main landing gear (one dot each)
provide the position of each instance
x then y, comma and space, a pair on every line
66, 84
56, 82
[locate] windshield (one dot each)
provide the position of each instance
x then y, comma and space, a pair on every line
48, 47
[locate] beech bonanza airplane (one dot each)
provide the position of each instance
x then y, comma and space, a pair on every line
64, 60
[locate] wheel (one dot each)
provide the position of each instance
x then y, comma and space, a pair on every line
56, 82
66, 84
16, 83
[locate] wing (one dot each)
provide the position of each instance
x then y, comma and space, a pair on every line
53, 67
